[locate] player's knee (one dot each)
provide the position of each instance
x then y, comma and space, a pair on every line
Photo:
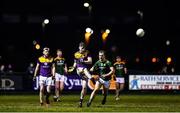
48, 91
57, 88
84, 88
41, 90
95, 90
61, 88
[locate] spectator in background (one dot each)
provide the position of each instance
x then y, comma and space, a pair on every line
9, 69
168, 68
30, 72
2, 69
31, 68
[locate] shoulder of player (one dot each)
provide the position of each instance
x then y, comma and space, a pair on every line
43, 59
107, 61
119, 63
58, 58
116, 63
97, 63
77, 52
122, 62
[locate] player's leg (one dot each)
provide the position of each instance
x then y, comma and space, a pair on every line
83, 92
48, 88
88, 75
121, 87
97, 87
122, 84
61, 85
57, 86
117, 90
41, 89
105, 91
41, 93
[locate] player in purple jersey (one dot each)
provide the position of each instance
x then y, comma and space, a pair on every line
46, 72
81, 61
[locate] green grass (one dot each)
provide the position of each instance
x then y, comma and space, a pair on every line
127, 103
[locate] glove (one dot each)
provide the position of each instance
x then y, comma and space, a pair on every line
71, 69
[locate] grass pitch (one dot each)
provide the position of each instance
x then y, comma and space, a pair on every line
69, 103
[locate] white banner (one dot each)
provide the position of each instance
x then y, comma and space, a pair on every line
154, 82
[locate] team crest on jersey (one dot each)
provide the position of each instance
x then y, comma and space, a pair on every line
45, 63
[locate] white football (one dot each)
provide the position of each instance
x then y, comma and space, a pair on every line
140, 32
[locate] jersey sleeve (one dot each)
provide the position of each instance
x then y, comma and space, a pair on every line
95, 66
109, 64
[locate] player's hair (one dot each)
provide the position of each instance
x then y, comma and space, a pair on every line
46, 49
82, 44
102, 51
58, 50
118, 57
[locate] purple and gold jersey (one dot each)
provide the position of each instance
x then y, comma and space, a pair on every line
80, 57
45, 66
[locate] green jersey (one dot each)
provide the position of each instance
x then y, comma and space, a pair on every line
119, 69
59, 65
103, 67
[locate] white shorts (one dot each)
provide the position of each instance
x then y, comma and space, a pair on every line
45, 80
103, 82
59, 77
120, 80
83, 72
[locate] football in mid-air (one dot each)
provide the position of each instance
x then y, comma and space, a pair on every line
140, 32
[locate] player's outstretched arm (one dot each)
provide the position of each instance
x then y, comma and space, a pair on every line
53, 71
35, 71
110, 73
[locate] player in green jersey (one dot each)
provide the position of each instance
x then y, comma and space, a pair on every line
105, 69
120, 72
60, 70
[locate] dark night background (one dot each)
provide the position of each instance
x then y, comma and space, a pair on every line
21, 24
